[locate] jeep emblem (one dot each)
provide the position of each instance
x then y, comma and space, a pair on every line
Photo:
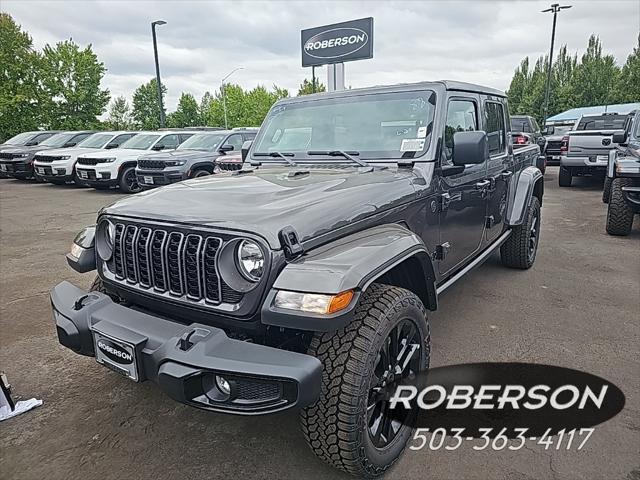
115, 352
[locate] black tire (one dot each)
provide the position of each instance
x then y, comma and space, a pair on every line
337, 427
200, 172
128, 181
564, 177
520, 249
619, 213
606, 190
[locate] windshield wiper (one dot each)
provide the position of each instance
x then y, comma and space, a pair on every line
276, 155
341, 153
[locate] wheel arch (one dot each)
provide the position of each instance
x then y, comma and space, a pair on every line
208, 166
530, 183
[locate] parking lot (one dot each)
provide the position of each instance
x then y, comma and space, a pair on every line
578, 308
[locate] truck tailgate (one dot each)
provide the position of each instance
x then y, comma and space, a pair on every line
591, 142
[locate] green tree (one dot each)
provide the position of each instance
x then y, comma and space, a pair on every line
306, 87
628, 85
20, 94
119, 115
595, 78
71, 79
146, 109
187, 114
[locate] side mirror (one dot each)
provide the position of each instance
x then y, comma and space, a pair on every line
70, 144
113, 145
244, 151
619, 137
225, 148
470, 148
157, 148
31, 144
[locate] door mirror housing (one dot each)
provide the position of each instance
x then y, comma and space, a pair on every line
244, 151
70, 144
157, 148
226, 148
470, 148
113, 145
619, 137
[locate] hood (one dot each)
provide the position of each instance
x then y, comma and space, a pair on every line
268, 199
74, 151
32, 149
180, 155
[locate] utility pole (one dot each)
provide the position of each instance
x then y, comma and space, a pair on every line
555, 8
155, 54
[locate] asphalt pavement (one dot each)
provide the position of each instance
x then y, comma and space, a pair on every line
578, 307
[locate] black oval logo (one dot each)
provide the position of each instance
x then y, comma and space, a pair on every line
115, 352
606, 141
336, 43
511, 396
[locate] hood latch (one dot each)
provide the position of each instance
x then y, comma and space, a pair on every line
290, 243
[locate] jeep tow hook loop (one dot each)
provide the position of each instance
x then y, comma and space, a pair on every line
290, 243
185, 340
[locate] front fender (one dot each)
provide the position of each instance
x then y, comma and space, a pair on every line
350, 263
529, 182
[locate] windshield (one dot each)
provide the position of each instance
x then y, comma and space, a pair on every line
20, 139
380, 126
602, 122
203, 141
140, 142
58, 140
97, 140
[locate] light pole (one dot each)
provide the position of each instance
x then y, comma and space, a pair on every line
224, 96
555, 8
155, 54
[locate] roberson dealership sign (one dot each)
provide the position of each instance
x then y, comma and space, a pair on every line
337, 43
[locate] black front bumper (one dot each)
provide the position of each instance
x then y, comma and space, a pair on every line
159, 177
182, 359
17, 169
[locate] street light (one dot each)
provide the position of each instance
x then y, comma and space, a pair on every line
555, 8
155, 54
224, 96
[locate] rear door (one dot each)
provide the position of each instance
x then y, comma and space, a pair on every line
463, 197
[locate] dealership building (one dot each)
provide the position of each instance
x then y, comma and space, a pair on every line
575, 113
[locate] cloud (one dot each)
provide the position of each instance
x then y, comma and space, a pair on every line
475, 41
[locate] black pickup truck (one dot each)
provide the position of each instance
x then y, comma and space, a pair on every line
306, 280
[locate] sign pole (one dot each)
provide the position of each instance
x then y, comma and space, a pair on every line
335, 77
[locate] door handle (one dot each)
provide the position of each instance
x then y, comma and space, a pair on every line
506, 175
483, 185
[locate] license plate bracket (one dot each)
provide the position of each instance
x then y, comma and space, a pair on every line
602, 158
148, 180
83, 174
117, 355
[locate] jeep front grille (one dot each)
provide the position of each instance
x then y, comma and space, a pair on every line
89, 161
183, 265
47, 158
157, 164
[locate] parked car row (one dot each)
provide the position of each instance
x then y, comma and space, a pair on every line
128, 160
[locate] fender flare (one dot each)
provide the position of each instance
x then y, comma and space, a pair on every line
529, 182
208, 164
350, 263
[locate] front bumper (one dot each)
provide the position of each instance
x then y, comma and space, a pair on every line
53, 171
182, 359
17, 169
151, 178
91, 176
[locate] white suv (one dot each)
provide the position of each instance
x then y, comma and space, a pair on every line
57, 166
106, 169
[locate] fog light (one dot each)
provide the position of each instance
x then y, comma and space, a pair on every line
61, 171
223, 385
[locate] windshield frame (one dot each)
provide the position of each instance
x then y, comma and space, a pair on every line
421, 156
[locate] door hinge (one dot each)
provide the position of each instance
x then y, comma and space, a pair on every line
443, 202
441, 251
489, 221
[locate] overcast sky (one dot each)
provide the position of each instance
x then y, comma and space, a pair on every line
472, 41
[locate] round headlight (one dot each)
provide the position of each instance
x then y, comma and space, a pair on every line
105, 237
250, 260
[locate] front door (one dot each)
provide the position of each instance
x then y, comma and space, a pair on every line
463, 200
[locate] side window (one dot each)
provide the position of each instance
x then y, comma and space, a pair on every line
461, 117
235, 140
184, 136
167, 143
496, 137
40, 138
536, 127
249, 136
119, 140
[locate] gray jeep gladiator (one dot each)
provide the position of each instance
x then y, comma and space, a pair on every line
622, 185
305, 281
